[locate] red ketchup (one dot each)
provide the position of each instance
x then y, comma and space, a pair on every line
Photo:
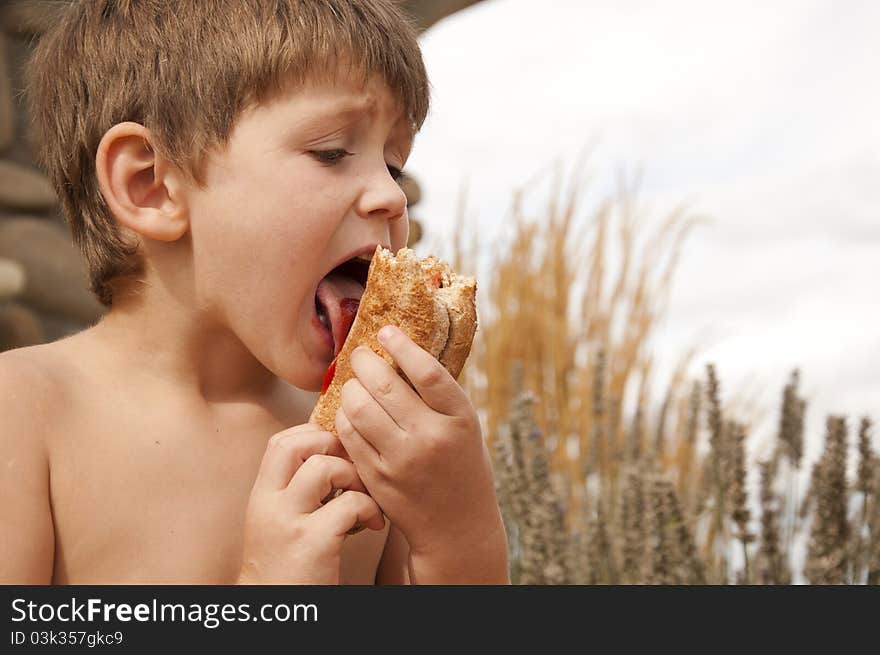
328, 377
349, 307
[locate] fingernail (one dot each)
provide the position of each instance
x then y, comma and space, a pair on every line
386, 334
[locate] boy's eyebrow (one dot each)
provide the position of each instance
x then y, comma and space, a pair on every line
352, 108
347, 111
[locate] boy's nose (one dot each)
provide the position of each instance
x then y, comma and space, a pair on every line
382, 197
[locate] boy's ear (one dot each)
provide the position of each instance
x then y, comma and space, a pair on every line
142, 190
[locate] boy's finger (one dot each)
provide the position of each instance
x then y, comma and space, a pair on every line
383, 383
431, 380
317, 477
348, 511
305, 427
360, 449
287, 451
368, 418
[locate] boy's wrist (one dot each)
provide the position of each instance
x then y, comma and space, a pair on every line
481, 561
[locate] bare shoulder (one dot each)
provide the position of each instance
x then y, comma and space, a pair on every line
34, 385
30, 392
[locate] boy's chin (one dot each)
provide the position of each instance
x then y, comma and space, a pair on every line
312, 388
311, 383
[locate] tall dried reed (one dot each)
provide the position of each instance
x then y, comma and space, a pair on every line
597, 486
579, 329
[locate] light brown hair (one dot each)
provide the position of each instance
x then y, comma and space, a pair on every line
186, 70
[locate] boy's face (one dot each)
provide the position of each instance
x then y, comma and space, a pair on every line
284, 203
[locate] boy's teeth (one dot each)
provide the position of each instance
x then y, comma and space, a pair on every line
322, 316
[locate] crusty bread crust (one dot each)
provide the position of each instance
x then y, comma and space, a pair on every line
458, 295
403, 291
462, 311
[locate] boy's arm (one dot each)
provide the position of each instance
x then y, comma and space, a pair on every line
470, 566
27, 535
394, 564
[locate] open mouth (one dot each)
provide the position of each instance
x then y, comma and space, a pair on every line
338, 297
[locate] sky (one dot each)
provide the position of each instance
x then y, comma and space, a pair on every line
763, 117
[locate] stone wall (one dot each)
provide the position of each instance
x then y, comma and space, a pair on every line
43, 285
43, 288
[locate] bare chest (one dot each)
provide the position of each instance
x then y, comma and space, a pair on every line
145, 500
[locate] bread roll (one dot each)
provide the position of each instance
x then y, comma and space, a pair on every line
425, 299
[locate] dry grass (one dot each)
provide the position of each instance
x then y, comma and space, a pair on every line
595, 489
554, 306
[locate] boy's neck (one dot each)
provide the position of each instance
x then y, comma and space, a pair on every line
180, 348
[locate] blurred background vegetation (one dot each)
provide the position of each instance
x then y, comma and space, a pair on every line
656, 490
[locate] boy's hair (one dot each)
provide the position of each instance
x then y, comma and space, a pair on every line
186, 70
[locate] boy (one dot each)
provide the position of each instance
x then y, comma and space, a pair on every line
215, 161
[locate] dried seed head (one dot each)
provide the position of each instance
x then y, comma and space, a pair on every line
828, 549
791, 422
866, 457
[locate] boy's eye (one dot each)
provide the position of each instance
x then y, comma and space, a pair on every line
396, 173
338, 154
330, 156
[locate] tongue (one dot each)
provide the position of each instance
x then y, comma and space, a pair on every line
340, 295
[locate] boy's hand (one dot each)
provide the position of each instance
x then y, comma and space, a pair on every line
420, 453
291, 536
